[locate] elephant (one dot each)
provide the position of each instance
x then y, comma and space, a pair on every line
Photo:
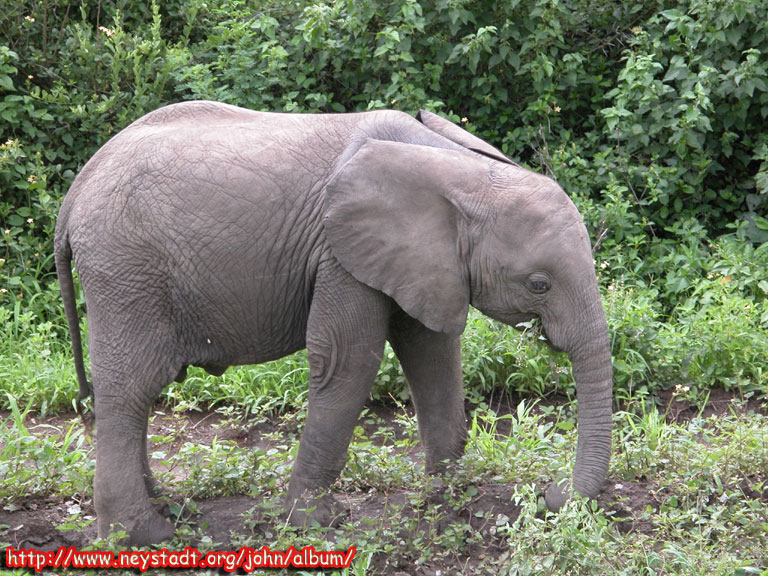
209, 235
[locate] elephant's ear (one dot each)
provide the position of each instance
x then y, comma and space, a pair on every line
392, 216
448, 129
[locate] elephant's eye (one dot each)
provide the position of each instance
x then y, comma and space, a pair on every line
539, 283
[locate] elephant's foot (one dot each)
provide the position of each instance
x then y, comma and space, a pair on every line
557, 495
315, 505
154, 488
436, 490
149, 528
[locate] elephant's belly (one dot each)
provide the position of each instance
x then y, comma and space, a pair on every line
246, 300
242, 328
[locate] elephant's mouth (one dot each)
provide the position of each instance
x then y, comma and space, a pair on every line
537, 328
549, 342
525, 323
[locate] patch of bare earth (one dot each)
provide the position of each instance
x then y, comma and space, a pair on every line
719, 403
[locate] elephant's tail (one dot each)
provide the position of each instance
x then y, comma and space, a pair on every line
63, 256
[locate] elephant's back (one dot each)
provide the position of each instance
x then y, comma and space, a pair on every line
205, 114
200, 156
196, 110
201, 168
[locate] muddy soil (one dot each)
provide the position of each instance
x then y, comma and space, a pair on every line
31, 522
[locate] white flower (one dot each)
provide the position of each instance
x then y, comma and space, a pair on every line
30, 220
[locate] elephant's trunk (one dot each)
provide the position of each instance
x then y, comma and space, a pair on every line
591, 360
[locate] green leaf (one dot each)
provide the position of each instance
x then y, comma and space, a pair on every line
673, 14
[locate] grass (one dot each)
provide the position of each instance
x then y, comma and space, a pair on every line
39, 459
36, 366
269, 388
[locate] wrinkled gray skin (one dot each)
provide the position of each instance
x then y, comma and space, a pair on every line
209, 235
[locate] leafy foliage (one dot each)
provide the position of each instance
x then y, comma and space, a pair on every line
651, 115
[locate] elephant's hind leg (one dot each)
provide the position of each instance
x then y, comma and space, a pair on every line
121, 485
345, 341
129, 369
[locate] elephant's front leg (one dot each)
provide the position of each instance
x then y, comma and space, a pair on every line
345, 340
431, 363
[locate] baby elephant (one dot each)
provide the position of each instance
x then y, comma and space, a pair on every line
209, 235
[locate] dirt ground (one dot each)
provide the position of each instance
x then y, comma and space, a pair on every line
31, 522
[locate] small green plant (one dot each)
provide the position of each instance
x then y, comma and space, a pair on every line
42, 459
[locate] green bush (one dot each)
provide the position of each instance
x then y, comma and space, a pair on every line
690, 100
70, 91
650, 115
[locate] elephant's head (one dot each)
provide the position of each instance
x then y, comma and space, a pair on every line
439, 229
